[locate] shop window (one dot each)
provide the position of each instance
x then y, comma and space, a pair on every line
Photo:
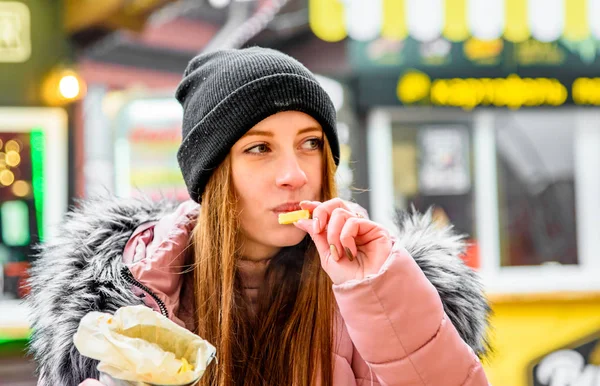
521, 185
536, 190
432, 168
20, 208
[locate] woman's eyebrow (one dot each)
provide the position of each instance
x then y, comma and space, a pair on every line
259, 132
309, 129
270, 133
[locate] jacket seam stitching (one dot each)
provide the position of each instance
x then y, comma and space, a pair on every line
473, 370
397, 336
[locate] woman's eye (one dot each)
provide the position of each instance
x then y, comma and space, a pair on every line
258, 149
312, 144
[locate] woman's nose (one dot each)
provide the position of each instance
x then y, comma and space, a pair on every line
290, 174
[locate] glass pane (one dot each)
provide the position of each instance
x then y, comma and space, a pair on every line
535, 157
15, 213
432, 167
21, 189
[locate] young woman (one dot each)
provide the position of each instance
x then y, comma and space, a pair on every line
332, 300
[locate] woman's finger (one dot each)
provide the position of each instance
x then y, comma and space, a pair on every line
338, 218
323, 212
310, 206
349, 232
363, 232
320, 239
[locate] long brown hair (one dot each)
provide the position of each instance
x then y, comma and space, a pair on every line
289, 341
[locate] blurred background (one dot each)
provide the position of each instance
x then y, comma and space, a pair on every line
486, 109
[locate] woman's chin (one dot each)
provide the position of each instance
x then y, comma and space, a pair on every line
288, 236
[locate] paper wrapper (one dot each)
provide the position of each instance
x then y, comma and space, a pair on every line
140, 345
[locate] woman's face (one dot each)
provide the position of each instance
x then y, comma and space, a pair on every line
277, 164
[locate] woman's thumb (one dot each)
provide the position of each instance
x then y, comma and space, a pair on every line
320, 239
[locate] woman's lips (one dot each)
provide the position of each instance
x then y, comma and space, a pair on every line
287, 207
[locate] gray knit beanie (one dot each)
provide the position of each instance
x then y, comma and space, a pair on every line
225, 93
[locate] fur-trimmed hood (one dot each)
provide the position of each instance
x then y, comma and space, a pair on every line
79, 271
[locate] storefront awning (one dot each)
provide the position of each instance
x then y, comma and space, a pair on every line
455, 20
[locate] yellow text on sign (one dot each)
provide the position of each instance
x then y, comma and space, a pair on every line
513, 91
586, 91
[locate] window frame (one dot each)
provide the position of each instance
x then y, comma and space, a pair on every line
54, 122
498, 279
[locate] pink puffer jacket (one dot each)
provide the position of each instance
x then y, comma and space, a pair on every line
394, 329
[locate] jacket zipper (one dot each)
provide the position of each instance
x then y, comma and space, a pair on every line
128, 277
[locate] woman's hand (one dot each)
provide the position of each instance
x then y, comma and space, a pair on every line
350, 246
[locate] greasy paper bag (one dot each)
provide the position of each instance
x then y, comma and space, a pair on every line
141, 345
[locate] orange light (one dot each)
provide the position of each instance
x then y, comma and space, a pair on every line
21, 188
12, 145
6, 177
13, 158
63, 86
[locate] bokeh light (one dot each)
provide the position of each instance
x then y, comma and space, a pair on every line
21, 188
13, 158
69, 87
12, 145
6, 177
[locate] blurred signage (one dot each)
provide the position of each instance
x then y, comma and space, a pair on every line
477, 72
475, 55
154, 171
32, 42
586, 91
149, 133
415, 87
576, 366
15, 35
444, 160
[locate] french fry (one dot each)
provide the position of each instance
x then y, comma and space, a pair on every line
292, 217
185, 366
